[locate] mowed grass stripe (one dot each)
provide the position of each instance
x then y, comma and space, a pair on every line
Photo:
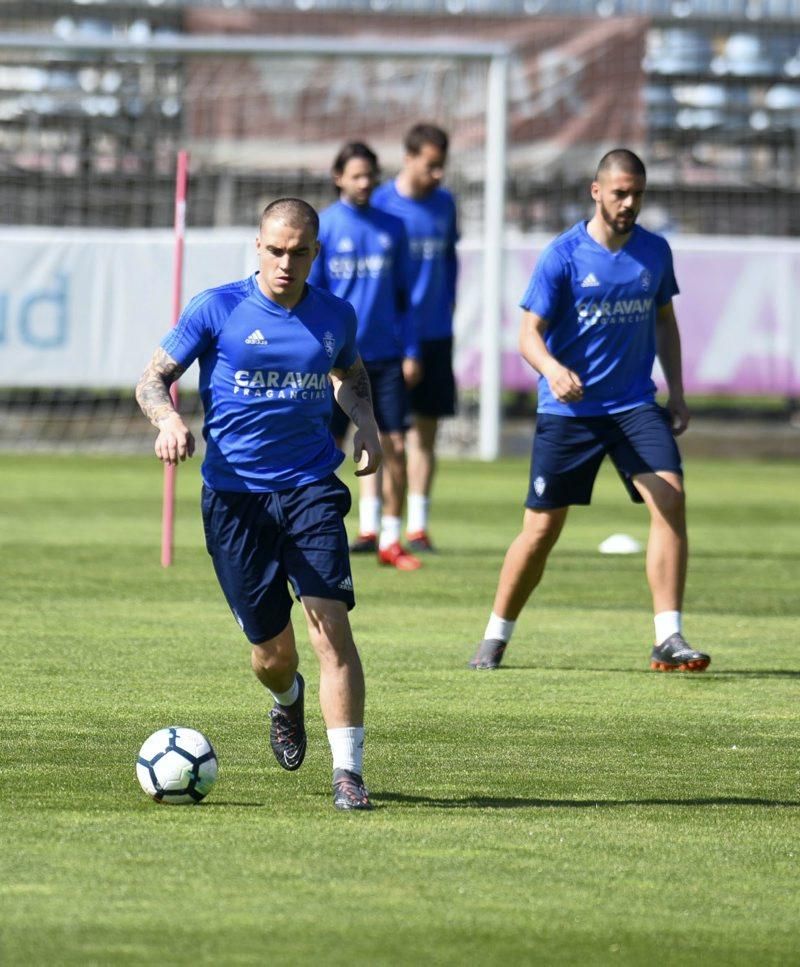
571, 808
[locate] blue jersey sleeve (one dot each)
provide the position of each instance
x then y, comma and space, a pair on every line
402, 283
451, 258
669, 286
544, 290
349, 352
318, 276
193, 333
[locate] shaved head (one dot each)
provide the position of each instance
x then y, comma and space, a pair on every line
292, 211
621, 159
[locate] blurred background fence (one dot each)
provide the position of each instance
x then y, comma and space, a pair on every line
93, 114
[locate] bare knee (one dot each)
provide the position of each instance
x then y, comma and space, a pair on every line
668, 500
330, 632
276, 656
394, 447
673, 505
423, 433
541, 529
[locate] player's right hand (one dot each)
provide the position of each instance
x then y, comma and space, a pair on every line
565, 385
367, 451
175, 441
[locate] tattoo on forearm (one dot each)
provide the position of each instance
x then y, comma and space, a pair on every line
361, 390
152, 390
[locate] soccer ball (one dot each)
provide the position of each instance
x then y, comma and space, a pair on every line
177, 765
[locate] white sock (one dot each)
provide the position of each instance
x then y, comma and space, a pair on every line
390, 531
499, 629
418, 505
347, 748
369, 515
290, 696
667, 623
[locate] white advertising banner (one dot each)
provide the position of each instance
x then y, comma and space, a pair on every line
86, 308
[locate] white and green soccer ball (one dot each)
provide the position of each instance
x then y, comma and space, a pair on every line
177, 765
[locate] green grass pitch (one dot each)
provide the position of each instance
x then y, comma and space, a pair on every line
571, 808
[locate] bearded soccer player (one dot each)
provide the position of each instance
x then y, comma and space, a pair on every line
428, 212
364, 259
598, 311
269, 347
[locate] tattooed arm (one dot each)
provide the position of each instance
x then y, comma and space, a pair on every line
174, 441
351, 389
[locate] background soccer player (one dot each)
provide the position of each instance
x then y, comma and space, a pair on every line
598, 311
273, 508
428, 212
364, 259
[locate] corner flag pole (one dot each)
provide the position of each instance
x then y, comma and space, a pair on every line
170, 471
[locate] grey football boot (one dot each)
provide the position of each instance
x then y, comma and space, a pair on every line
675, 655
489, 654
287, 733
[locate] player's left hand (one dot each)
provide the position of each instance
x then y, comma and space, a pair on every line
412, 371
679, 414
367, 451
175, 442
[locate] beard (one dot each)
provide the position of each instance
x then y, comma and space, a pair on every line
619, 225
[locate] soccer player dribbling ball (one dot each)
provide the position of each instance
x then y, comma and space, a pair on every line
269, 347
598, 310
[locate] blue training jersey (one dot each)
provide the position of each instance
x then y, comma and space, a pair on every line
364, 259
601, 312
432, 228
264, 382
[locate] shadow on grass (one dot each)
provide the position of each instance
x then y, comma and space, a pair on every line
500, 802
757, 673
227, 803
708, 676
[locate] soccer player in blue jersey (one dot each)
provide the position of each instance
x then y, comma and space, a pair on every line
428, 212
269, 347
364, 259
598, 311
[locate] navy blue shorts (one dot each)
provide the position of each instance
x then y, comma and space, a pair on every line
568, 451
435, 394
389, 399
261, 542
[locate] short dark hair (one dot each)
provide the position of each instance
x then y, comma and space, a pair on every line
354, 149
421, 134
295, 211
624, 159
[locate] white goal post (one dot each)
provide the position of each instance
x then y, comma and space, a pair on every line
496, 58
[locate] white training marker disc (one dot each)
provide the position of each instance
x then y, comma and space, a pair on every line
620, 544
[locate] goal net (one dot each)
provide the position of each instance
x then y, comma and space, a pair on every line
89, 150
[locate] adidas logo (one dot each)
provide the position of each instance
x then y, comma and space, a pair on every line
256, 338
590, 282
346, 585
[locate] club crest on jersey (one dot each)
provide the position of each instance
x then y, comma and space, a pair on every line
539, 486
329, 342
646, 279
